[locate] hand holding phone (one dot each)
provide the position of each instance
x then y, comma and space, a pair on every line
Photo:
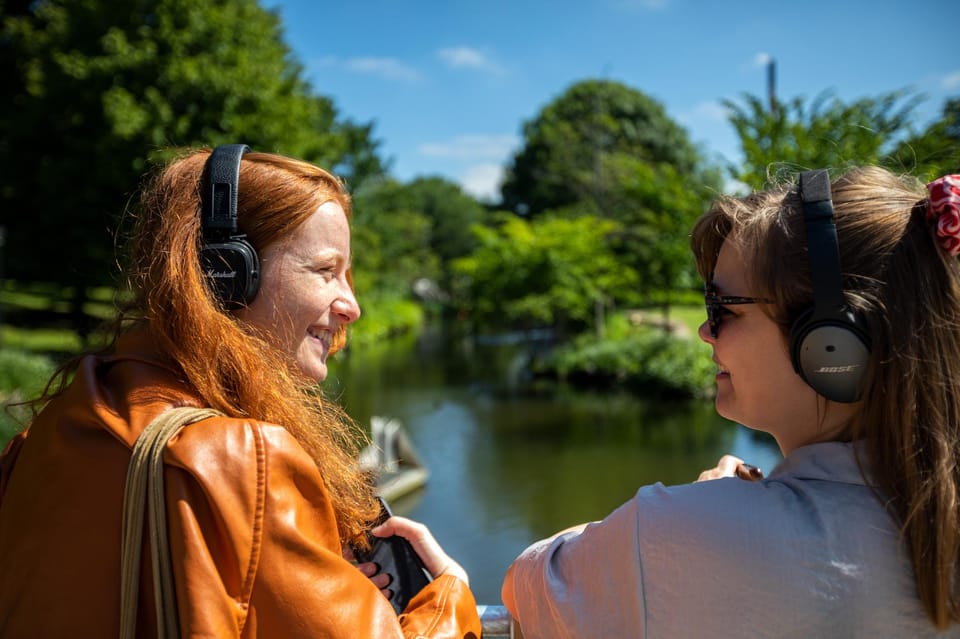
396, 557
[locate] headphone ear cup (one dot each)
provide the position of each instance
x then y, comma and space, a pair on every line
232, 269
831, 354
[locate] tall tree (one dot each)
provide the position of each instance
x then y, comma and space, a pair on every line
936, 150
608, 150
565, 146
98, 89
824, 133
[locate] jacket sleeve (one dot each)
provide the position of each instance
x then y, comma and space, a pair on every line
260, 540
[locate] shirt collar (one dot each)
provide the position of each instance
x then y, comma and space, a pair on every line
831, 461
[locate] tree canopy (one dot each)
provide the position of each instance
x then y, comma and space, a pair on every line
604, 191
936, 150
100, 89
824, 133
565, 146
548, 271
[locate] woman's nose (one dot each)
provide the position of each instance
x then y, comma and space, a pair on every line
346, 305
704, 333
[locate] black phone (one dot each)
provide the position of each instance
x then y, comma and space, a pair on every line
397, 558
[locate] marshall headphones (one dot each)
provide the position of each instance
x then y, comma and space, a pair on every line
228, 260
829, 343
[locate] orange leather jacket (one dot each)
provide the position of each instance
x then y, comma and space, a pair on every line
252, 532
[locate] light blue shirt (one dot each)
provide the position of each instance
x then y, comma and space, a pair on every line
808, 552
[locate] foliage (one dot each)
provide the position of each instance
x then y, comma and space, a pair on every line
657, 206
23, 376
403, 232
551, 272
384, 317
825, 133
606, 150
935, 151
648, 360
99, 89
565, 146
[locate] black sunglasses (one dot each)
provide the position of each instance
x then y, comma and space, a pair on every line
715, 305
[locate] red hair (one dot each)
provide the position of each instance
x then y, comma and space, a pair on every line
234, 370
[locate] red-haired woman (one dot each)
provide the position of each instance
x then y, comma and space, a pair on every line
263, 502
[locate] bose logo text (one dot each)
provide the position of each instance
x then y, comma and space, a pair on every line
837, 369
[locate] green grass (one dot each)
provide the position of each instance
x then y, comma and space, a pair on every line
40, 340
691, 316
44, 297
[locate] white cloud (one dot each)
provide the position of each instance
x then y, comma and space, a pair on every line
472, 147
712, 111
389, 68
468, 58
481, 159
762, 59
483, 181
951, 81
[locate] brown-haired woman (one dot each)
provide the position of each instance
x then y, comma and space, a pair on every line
840, 336
263, 502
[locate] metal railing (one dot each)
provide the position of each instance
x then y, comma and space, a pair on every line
497, 622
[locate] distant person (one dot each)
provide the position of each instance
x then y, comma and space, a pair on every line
235, 308
843, 343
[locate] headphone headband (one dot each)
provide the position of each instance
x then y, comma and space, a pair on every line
229, 262
823, 248
829, 342
222, 187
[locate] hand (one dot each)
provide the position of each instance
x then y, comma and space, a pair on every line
730, 466
434, 558
370, 570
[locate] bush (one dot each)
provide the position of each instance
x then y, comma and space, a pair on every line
22, 376
647, 360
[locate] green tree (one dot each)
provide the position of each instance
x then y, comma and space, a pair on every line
408, 232
548, 272
566, 145
99, 89
825, 133
936, 150
657, 206
608, 150
391, 240
452, 213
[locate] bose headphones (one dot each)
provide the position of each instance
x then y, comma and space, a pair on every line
228, 260
829, 343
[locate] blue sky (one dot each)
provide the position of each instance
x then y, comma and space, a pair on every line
449, 84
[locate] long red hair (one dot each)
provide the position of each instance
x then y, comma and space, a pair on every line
232, 369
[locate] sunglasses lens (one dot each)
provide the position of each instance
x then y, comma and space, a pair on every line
713, 309
713, 319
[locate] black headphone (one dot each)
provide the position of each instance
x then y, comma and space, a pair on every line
229, 261
830, 342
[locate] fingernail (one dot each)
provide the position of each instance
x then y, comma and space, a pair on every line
749, 471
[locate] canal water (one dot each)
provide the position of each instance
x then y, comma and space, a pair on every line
513, 460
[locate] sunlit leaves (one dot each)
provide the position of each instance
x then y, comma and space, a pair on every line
546, 272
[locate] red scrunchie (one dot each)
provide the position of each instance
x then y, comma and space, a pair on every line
943, 205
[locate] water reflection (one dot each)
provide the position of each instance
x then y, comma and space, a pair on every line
511, 462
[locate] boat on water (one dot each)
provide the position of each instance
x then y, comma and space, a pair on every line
392, 458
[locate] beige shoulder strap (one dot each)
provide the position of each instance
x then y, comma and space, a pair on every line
145, 482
